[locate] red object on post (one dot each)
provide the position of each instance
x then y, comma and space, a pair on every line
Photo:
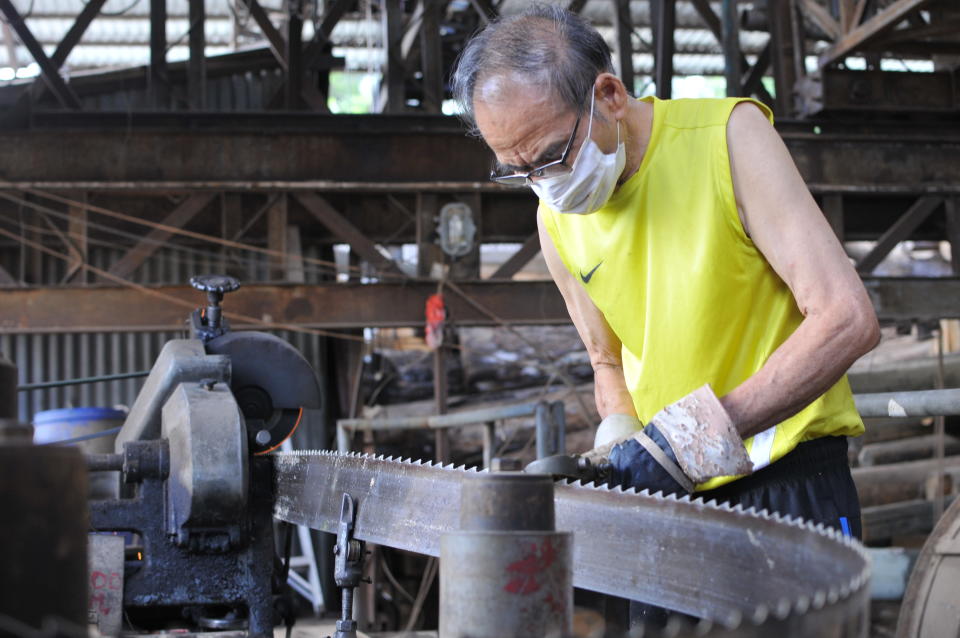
436, 315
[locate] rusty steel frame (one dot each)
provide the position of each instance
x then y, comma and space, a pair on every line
336, 306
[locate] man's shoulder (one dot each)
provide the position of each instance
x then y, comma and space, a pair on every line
695, 113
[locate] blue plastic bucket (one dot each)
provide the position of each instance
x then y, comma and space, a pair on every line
50, 426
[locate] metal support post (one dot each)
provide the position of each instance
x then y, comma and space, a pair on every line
625, 43
294, 54
664, 47
197, 65
157, 71
441, 440
551, 426
431, 56
732, 69
489, 442
780, 16
393, 72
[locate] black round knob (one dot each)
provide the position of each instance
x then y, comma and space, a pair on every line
215, 283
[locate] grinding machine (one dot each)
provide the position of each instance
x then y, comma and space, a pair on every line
202, 483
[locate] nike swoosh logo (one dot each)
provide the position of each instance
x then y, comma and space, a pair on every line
586, 278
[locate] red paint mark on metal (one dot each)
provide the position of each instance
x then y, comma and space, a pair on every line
524, 572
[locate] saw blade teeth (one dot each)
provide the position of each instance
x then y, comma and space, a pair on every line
645, 492
684, 499
819, 599
732, 620
802, 605
783, 608
833, 595
760, 615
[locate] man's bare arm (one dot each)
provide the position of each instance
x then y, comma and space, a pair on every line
784, 222
602, 344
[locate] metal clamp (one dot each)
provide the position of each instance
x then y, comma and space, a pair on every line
347, 567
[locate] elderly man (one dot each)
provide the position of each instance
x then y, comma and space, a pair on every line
695, 265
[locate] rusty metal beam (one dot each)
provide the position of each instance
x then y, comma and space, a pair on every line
873, 28
6, 279
90, 10
326, 306
278, 45
348, 306
900, 231
178, 217
373, 154
519, 259
48, 69
343, 228
819, 15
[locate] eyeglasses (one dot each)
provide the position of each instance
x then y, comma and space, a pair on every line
550, 169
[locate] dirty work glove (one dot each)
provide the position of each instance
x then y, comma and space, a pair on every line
686, 443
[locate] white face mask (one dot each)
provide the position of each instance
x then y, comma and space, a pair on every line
590, 183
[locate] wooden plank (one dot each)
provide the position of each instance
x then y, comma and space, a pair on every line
177, 218
900, 231
48, 69
882, 522
519, 259
870, 30
344, 229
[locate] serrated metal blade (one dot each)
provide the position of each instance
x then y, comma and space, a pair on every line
715, 562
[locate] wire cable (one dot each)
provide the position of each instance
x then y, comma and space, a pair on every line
253, 321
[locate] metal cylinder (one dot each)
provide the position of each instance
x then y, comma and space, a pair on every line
507, 501
507, 572
43, 535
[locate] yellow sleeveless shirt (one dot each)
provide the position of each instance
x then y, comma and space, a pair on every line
690, 296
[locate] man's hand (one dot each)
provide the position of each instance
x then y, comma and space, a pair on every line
686, 443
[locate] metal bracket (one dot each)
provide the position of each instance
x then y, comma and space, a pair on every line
347, 567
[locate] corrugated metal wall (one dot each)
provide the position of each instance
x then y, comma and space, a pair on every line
47, 357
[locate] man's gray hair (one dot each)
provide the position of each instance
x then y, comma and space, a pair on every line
546, 44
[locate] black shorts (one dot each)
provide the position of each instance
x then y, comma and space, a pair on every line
812, 482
